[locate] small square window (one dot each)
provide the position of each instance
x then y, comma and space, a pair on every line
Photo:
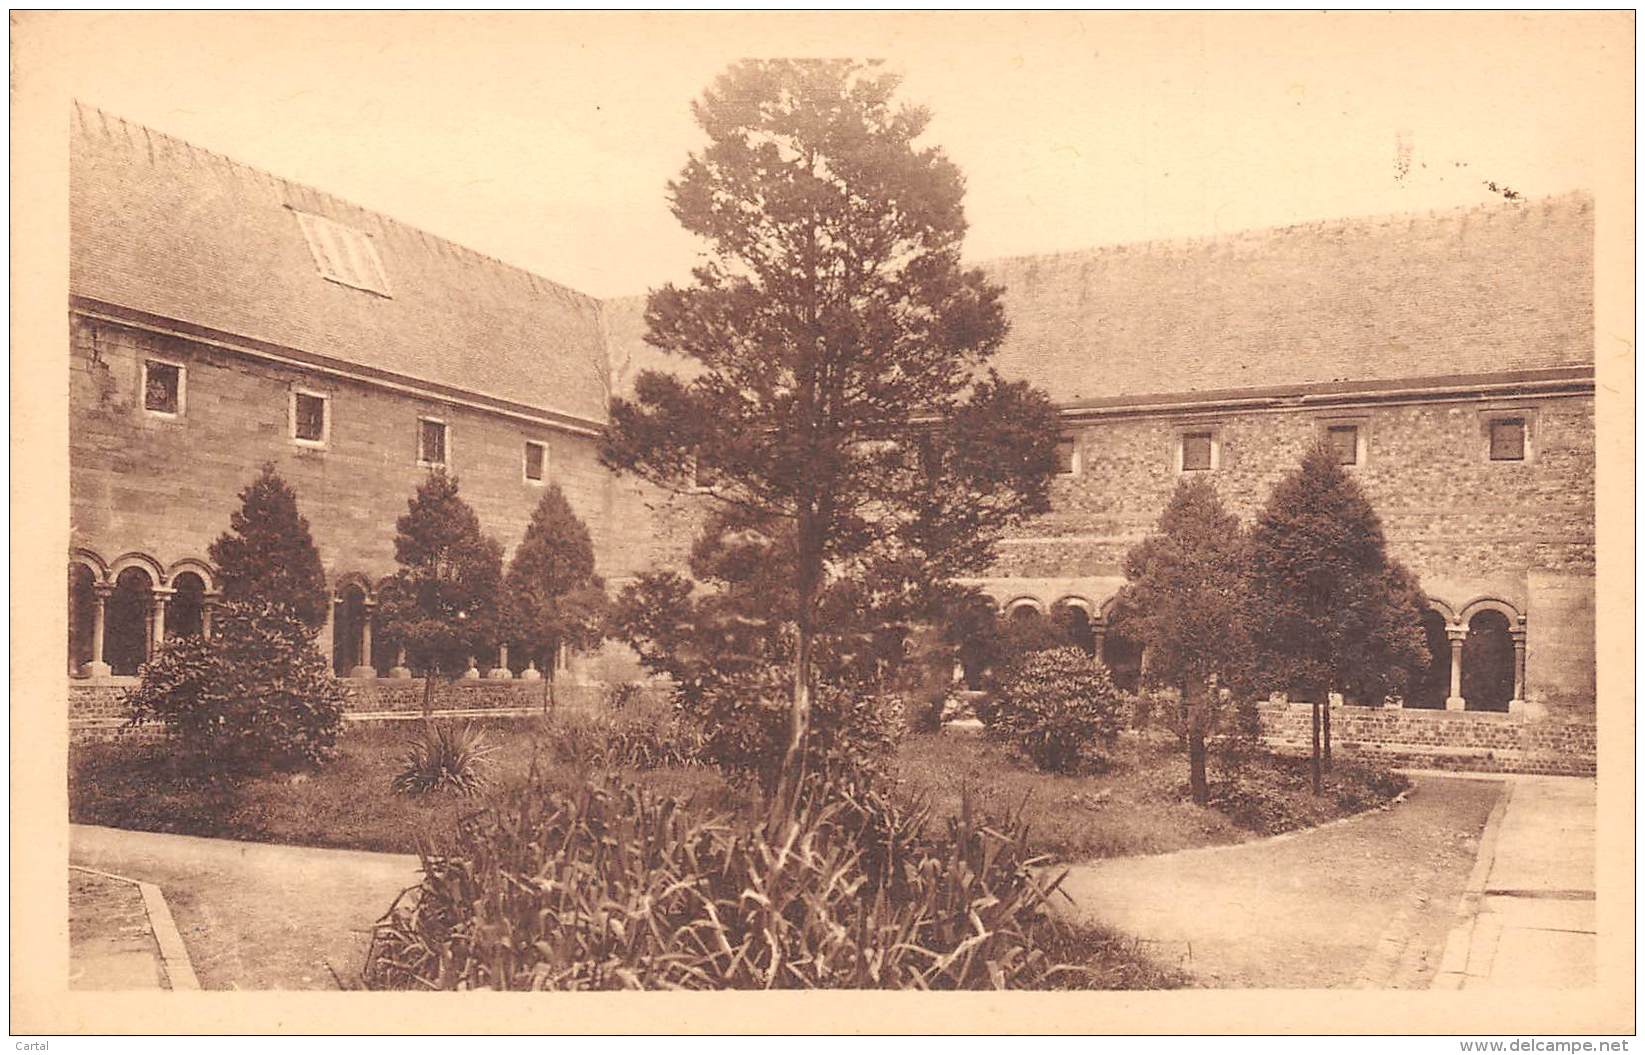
308, 417
1196, 451
431, 441
162, 387
1508, 440
1067, 456
536, 460
1344, 440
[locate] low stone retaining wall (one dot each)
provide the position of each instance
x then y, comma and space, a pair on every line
97, 711
1478, 741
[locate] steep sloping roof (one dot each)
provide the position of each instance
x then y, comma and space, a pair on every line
1496, 288
169, 230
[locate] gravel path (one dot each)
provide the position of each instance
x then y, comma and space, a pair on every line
1366, 902
257, 916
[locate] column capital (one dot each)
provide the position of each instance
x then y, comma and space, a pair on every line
161, 593
103, 590
1456, 634
211, 597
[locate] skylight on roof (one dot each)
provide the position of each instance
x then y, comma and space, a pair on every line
343, 254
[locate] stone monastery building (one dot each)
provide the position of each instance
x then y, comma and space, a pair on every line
222, 317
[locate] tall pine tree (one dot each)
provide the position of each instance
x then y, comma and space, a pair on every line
268, 554
830, 315
1332, 611
443, 605
553, 598
1185, 601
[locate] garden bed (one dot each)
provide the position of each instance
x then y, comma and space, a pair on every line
1139, 806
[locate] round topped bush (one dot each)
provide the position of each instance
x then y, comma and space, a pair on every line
1058, 706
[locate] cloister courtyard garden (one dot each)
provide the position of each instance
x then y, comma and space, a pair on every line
833, 762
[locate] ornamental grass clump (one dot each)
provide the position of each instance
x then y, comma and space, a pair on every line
445, 757
609, 887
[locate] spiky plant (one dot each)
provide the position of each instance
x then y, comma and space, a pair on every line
445, 757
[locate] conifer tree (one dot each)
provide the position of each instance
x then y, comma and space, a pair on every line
830, 315
268, 555
1332, 611
1185, 601
442, 606
554, 599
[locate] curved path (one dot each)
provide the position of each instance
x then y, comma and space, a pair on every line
1366, 902
253, 915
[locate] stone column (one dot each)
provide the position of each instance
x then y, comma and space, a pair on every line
501, 672
159, 595
1099, 631
1517, 704
208, 603
1456, 634
400, 670
531, 673
326, 642
365, 669
473, 670
100, 593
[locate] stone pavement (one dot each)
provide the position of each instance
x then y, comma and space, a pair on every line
1527, 918
253, 915
111, 945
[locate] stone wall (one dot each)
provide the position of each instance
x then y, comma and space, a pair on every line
1518, 531
97, 711
142, 483
1462, 740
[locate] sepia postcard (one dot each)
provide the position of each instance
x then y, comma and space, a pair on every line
776, 522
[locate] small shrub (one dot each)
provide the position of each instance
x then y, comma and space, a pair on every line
642, 736
445, 757
1058, 707
744, 720
258, 696
611, 888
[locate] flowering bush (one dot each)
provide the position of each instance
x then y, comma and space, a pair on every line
257, 696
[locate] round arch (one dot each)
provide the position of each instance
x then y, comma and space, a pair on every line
1074, 601
357, 579
1450, 614
198, 567
99, 567
1492, 604
156, 571
1011, 607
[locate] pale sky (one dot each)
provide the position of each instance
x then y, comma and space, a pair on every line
547, 140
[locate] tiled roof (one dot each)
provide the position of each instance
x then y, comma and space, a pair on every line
1494, 290
173, 231
1498, 288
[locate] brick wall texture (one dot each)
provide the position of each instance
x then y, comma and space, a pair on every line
1466, 740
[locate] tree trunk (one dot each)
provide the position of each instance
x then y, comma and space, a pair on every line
1313, 710
1325, 728
428, 694
799, 711
1197, 784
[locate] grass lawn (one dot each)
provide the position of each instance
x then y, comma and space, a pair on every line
1138, 807
346, 803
